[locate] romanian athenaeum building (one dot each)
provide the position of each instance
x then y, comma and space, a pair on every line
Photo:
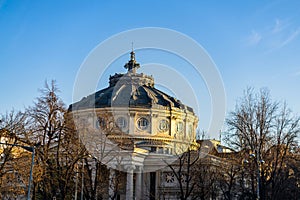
140, 135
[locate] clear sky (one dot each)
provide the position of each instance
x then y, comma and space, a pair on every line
253, 43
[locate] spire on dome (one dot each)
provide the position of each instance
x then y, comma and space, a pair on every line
132, 65
132, 55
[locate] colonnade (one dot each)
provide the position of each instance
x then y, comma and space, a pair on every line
133, 190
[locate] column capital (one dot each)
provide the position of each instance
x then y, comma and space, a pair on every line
129, 168
138, 169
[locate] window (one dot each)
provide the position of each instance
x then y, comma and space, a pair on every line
179, 127
163, 125
121, 122
169, 177
100, 123
153, 149
166, 150
143, 123
183, 178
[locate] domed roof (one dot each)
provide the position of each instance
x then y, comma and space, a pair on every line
130, 90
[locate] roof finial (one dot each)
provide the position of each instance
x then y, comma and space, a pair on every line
132, 65
132, 57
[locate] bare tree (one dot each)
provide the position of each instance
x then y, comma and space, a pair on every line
95, 179
59, 147
184, 172
266, 131
205, 179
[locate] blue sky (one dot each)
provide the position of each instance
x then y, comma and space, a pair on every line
253, 43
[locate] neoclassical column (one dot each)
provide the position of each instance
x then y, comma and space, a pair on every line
138, 184
146, 185
111, 187
129, 182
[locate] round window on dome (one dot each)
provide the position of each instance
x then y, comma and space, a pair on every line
121, 122
143, 123
163, 125
100, 123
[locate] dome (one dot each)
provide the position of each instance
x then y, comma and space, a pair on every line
130, 90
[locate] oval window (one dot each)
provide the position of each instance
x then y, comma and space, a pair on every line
163, 125
100, 123
143, 123
121, 122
